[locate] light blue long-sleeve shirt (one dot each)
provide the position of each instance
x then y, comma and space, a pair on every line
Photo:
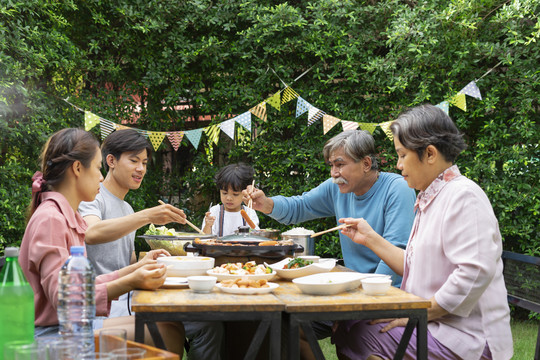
388, 207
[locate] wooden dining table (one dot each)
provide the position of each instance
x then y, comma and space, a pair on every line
281, 314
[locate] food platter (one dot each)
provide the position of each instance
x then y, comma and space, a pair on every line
323, 266
248, 291
173, 282
222, 277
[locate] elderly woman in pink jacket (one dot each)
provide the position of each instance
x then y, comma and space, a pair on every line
453, 256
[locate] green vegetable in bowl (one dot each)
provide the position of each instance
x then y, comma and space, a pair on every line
162, 230
297, 263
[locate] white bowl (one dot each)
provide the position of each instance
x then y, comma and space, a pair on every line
376, 285
323, 266
201, 284
329, 283
313, 258
182, 266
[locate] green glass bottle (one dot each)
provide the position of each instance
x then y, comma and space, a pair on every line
16, 302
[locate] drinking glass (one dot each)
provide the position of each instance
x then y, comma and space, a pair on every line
29, 352
10, 347
112, 339
96, 355
63, 349
129, 353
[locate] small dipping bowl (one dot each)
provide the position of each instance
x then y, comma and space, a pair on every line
201, 284
376, 285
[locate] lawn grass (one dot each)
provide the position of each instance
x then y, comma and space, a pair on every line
523, 332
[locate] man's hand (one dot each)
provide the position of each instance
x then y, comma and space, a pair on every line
259, 200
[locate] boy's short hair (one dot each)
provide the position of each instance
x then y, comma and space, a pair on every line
237, 176
124, 141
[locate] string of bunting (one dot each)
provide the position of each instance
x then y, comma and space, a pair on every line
260, 111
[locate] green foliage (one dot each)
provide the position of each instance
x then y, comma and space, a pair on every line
196, 63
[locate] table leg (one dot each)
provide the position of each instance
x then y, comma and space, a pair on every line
257, 339
139, 329
312, 339
421, 336
405, 338
275, 337
294, 336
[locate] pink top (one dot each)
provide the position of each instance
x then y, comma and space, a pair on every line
454, 254
52, 230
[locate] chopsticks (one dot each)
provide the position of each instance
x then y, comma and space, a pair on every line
342, 226
250, 202
187, 221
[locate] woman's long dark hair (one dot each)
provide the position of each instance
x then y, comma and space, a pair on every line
60, 151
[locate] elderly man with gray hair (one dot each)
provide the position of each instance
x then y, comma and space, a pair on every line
356, 189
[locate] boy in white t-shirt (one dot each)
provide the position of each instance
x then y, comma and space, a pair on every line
224, 219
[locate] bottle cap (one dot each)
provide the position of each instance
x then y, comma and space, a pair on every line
77, 250
11, 251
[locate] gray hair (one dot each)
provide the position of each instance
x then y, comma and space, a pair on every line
425, 125
357, 144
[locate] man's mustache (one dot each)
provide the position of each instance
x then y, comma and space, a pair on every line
339, 181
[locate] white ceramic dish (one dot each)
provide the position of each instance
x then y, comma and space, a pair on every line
201, 284
183, 266
221, 277
248, 291
323, 266
376, 285
174, 282
331, 283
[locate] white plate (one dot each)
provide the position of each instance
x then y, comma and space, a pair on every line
331, 283
173, 282
323, 266
248, 291
221, 277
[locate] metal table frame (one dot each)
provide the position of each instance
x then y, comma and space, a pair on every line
293, 321
270, 322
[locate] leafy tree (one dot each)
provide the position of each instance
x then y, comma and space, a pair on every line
197, 63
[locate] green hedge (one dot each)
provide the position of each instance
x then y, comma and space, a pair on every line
369, 61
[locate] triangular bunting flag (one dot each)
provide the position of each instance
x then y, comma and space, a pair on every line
106, 127
121, 127
328, 122
274, 100
213, 133
175, 137
385, 126
228, 128
244, 120
444, 106
368, 127
288, 95
194, 136
349, 125
314, 114
459, 101
90, 120
156, 138
259, 111
301, 106
142, 132
472, 90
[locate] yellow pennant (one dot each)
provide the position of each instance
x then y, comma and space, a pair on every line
459, 101
385, 126
259, 111
90, 120
368, 127
213, 133
156, 138
121, 127
288, 95
274, 100
329, 122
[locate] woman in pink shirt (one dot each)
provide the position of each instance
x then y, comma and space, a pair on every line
453, 256
71, 173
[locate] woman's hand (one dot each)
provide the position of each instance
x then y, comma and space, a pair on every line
358, 230
392, 323
149, 276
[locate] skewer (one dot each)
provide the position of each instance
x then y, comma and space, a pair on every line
328, 230
187, 221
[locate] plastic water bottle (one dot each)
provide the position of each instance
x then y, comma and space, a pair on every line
76, 300
16, 302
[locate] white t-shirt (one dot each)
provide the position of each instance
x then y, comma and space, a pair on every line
231, 220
